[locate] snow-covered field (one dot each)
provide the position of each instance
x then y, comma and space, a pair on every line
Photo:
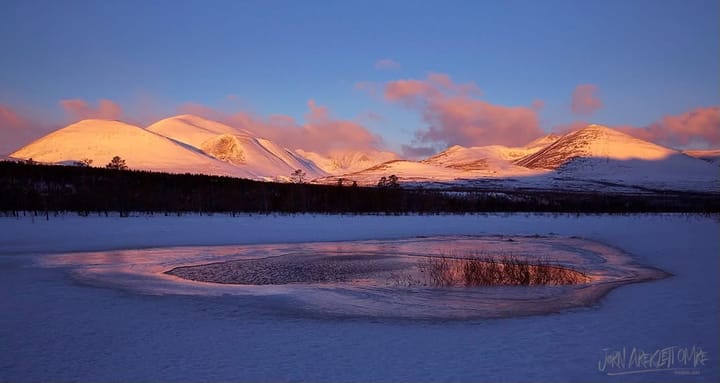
55, 326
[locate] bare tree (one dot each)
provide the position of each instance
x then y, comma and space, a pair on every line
298, 176
117, 163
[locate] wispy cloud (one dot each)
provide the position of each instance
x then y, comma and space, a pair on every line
456, 116
78, 109
18, 130
320, 133
387, 64
694, 128
585, 100
415, 152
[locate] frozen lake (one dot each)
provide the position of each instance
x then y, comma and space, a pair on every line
108, 313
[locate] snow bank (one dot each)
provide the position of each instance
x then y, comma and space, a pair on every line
54, 329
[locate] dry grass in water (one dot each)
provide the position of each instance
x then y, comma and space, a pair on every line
478, 270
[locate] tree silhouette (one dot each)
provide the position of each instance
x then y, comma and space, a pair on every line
382, 183
117, 163
84, 163
393, 182
298, 176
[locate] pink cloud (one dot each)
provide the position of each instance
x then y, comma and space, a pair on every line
700, 126
456, 117
538, 104
320, 133
17, 130
10, 118
79, 109
585, 100
387, 64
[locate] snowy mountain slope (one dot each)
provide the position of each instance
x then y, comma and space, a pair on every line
191, 130
593, 158
494, 158
675, 172
710, 155
101, 140
594, 141
261, 158
423, 172
606, 157
349, 161
406, 171
541, 142
455, 164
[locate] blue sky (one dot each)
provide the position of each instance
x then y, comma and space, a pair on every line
647, 59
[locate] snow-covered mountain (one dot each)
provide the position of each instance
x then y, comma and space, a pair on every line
593, 158
609, 158
542, 142
594, 141
181, 144
492, 159
453, 164
101, 140
348, 161
262, 158
710, 155
191, 130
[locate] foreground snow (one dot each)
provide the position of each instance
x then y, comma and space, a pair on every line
54, 328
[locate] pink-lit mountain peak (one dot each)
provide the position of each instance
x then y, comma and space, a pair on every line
594, 141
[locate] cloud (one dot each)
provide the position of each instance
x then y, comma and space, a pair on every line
538, 105
371, 88
78, 109
11, 119
697, 127
387, 64
320, 133
584, 100
17, 130
455, 116
414, 152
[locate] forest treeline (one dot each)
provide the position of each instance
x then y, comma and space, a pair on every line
54, 188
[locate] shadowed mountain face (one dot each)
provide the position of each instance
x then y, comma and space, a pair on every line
710, 155
226, 148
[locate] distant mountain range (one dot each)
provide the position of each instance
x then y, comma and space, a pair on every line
592, 158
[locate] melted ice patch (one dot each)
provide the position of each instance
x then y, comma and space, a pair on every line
144, 271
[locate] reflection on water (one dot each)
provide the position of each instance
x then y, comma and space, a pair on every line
143, 271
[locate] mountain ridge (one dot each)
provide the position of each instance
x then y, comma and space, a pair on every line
191, 144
